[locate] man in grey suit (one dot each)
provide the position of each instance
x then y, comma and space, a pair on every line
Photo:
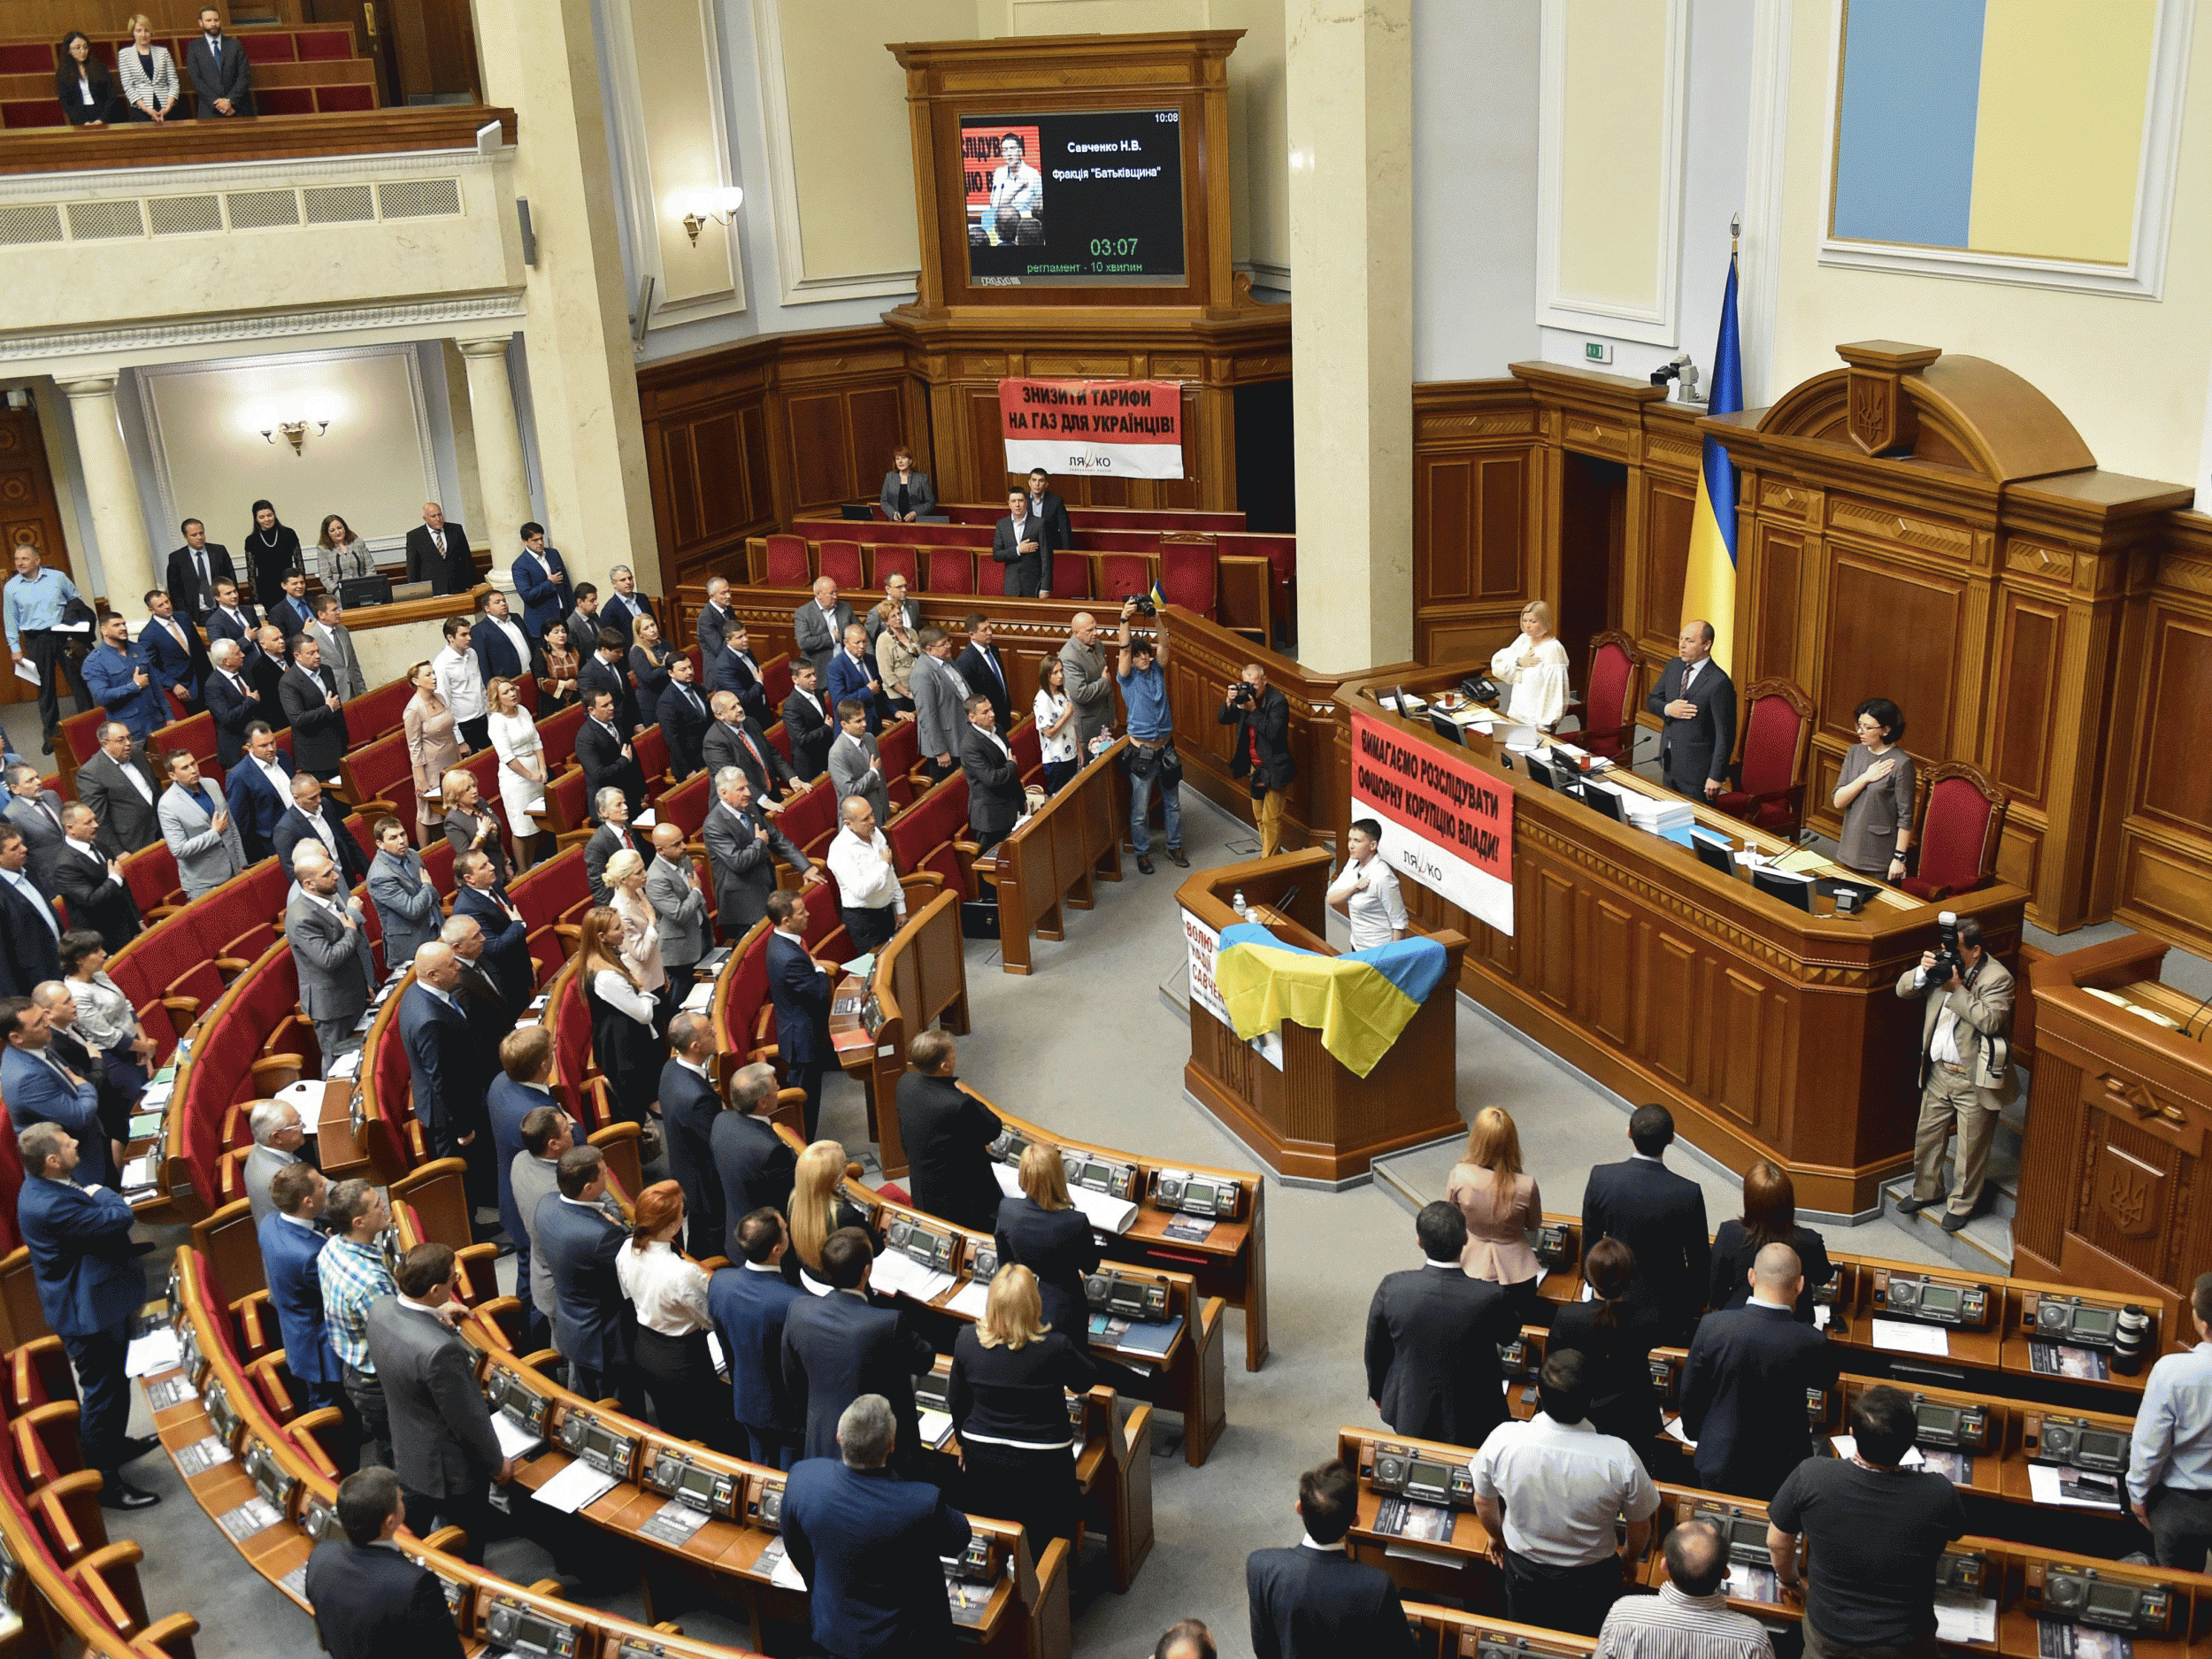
1089, 686
679, 908
855, 768
339, 657
197, 826
820, 626
547, 1133
116, 785
743, 847
336, 970
221, 78
37, 813
399, 886
443, 1447
278, 1137
939, 696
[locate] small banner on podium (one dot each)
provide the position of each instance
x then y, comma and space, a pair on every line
1446, 824
1097, 428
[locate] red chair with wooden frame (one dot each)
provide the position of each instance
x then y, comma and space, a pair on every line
786, 562
1769, 780
1608, 711
1188, 572
1954, 842
841, 563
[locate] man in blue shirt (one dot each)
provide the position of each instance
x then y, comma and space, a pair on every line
291, 1244
1153, 762
2170, 1464
30, 605
122, 683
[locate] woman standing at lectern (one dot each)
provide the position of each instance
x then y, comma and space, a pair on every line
1535, 666
1875, 795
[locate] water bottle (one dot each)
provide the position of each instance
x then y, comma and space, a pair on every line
1236, 903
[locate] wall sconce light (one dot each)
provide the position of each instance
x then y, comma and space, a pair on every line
269, 424
719, 204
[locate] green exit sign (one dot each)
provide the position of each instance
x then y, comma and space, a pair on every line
1597, 351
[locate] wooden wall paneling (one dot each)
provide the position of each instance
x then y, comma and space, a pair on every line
1477, 509
2163, 878
1664, 563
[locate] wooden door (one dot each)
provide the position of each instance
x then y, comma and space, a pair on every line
437, 50
371, 38
27, 503
1593, 541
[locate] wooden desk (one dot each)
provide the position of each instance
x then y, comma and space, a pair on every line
1770, 1034
921, 979
1052, 856
1301, 1111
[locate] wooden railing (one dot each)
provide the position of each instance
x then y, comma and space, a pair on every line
1049, 861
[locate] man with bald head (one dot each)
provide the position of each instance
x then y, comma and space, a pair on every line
330, 949
449, 1077
1089, 686
1690, 1617
438, 553
1695, 701
1744, 1387
91, 882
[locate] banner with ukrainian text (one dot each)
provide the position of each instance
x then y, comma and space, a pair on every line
1094, 428
1446, 824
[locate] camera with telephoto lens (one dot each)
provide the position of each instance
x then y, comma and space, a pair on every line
1947, 959
1141, 605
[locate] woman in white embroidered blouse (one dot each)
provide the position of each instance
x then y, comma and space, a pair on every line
1535, 666
669, 1294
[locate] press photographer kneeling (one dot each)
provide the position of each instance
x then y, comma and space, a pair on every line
1965, 1065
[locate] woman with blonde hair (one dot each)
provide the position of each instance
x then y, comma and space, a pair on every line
148, 73
1041, 1228
1008, 1396
896, 650
469, 823
649, 663
521, 753
432, 747
1535, 666
1501, 1206
668, 1296
818, 1208
624, 1037
625, 876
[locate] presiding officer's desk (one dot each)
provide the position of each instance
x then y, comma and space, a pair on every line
1771, 1033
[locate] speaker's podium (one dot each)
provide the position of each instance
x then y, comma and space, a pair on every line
1308, 1117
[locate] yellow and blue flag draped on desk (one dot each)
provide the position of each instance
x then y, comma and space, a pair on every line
1359, 1001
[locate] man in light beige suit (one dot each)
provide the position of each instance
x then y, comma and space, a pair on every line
1966, 1074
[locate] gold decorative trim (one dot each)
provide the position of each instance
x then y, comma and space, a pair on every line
1613, 440
2030, 559
1474, 425
1921, 532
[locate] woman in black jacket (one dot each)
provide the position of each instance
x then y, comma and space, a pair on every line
272, 550
1008, 1399
1769, 1217
1616, 1341
83, 85
1043, 1231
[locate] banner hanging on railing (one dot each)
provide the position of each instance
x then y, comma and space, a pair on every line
1446, 824
1093, 428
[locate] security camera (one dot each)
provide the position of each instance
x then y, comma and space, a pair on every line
1679, 367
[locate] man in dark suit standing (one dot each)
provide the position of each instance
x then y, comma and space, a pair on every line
799, 988
290, 1242
30, 931
316, 817
1312, 1601
222, 80
735, 739
194, 570
995, 799
611, 808
289, 608
265, 670
867, 1544
840, 1347
714, 620
439, 552
443, 1447
316, 712
603, 750
591, 1317
1696, 701
806, 723
1432, 1340
684, 718
257, 786
523, 1085
947, 1133
122, 792
742, 848
91, 883
330, 952
233, 618
504, 647
688, 1109
91, 1286
1744, 1386
35, 811
447, 1077
540, 582
43, 1087
606, 667
733, 667
1022, 542
1659, 1216
750, 1302
981, 667
369, 1601
1046, 505
175, 658
234, 702
818, 626
478, 895
751, 1161
621, 608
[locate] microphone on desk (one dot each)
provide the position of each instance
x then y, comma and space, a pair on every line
2193, 1012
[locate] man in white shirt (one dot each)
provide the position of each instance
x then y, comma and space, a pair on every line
1550, 1491
494, 623
461, 683
870, 898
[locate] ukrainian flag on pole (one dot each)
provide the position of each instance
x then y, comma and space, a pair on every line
1709, 586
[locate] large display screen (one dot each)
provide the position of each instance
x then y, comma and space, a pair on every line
1086, 198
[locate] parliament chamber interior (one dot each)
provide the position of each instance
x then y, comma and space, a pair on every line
1126, 826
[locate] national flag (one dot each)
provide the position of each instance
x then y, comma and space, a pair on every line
1358, 1002
1708, 585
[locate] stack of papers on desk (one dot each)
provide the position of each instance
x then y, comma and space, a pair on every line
902, 1275
1647, 813
971, 1298
1898, 1336
514, 1440
346, 1065
138, 1175
1848, 1446
1964, 1618
2076, 1488
155, 1352
700, 997
1133, 1338
1107, 1214
775, 1561
575, 1487
935, 1428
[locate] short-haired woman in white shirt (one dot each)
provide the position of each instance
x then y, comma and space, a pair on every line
668, 1294
1535, 666
1365, 891
1056, 724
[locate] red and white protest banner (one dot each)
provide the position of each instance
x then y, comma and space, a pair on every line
1446, 824
1105, 428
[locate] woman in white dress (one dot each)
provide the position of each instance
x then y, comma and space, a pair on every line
521, 752
1535, 666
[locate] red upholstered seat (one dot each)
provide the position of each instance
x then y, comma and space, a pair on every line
841, 563
151, 874
344, 100
376, 711
787, 562
437, 860
1186, 572
565, 802
381, 771
952, 570
314, 44
21, 112
990, 576
1962, 820
898, 751
268, 46
197, 733
542, 892
781, 738
22, 57
651, 749
1607, 714
1028, 748
775, 680
1770, 781
558, 730
890, 560
81, 731
1072, 576
283, 100
923, 834
811, 815
749, 989
1120, 576
11, 1183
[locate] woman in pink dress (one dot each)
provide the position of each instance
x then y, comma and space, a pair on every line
1501, 1206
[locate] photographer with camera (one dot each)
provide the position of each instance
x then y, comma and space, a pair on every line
1259, 753
1965, 1065
1153, 762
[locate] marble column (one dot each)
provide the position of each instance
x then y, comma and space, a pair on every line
126, 557
1349, 85
502, 479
